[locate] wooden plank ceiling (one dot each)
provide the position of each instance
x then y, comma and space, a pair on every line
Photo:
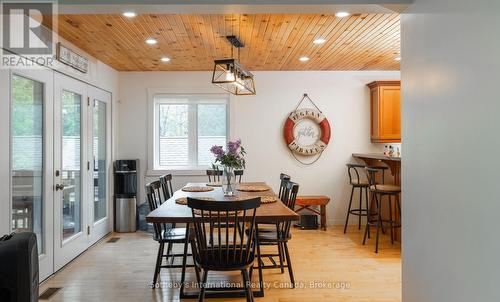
272, 41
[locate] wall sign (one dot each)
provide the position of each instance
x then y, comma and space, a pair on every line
307, 131
72, 59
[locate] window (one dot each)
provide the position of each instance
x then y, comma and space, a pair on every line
185, 127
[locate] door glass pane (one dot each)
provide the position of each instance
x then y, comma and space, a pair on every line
211, 130
99, 151
173, 135
71, 166
27, 157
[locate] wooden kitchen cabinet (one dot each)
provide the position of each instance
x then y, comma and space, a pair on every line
385, 108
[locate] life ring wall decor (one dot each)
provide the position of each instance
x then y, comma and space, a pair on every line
307, 131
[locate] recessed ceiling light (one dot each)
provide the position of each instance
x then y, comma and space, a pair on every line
165, 59
303, 59
151, 41
319, 41
129, 14
342, 14
397, 58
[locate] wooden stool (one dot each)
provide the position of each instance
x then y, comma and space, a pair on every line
306, 202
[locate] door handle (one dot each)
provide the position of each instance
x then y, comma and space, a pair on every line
59, 187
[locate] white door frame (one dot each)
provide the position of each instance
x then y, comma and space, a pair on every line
68, 249
5, 151
103, 226
45, 76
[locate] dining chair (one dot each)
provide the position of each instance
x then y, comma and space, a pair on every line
238, 174
231, 250
166, 235
166, 186
167, 192
286, 177
280, 236
214, 175
270, 227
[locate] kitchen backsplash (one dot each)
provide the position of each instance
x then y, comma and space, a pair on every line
395, 146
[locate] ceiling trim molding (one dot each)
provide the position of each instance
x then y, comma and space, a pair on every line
220, 6
240, 2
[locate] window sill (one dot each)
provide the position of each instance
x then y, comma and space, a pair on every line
178, 172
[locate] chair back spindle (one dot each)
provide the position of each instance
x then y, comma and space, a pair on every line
231, 247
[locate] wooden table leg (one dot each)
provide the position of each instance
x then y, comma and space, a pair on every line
323, 217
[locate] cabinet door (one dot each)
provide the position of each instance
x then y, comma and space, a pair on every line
390, 113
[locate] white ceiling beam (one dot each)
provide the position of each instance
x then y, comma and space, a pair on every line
230, 6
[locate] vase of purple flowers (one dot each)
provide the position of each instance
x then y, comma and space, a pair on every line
229, 160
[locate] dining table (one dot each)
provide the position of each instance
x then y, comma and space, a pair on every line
269, 213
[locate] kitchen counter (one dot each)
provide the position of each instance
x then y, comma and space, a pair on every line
376, 156
394, 163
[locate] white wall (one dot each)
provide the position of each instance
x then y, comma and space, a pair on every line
451, 124
258, 121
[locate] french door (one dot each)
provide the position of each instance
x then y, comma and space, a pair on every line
71, 200
59, 163
31, 160
99, 142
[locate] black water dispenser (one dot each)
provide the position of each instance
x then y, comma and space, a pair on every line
126, 184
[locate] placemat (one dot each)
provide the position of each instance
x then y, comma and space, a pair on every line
268, 199
263, 199
252, 188
184, 201
197, 189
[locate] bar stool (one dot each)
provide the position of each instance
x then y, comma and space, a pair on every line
379, 191
362, 184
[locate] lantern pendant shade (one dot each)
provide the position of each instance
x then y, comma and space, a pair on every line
232, 76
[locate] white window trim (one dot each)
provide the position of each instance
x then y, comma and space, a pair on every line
178, 171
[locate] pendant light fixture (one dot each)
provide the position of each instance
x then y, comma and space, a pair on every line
231, 75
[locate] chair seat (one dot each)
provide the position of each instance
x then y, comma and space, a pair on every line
361, 183
224, 259
385, 188
175, 234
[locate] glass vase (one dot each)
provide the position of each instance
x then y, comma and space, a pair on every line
228, 181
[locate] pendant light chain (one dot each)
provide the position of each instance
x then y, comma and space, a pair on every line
239, 34
232, 46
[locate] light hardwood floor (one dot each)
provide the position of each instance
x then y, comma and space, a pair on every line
122, 271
